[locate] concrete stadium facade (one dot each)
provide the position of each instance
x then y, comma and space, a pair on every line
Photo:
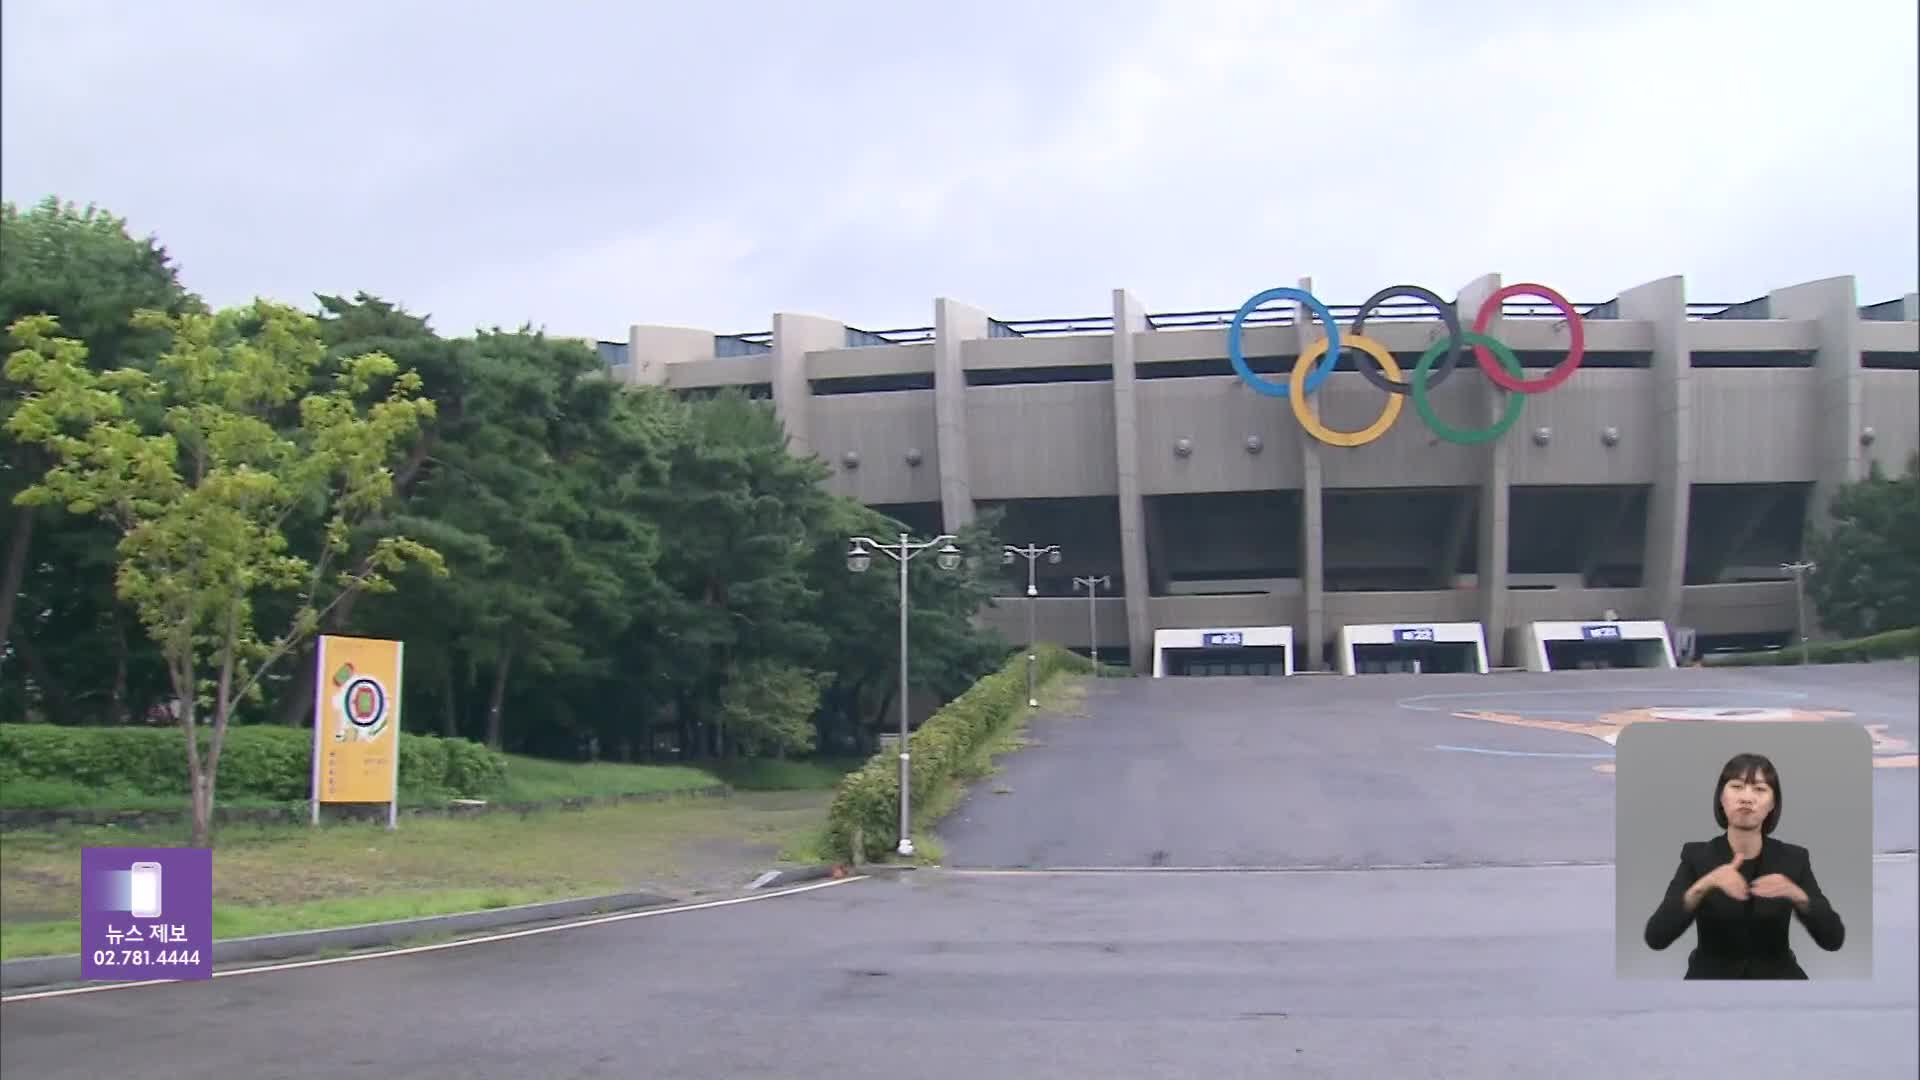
1667, 479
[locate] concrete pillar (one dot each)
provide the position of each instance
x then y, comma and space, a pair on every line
1491, 565
954, 324
651, 348
1663, 304
1313, 576
794, 336
1130, 318
1834, 305
1910, 307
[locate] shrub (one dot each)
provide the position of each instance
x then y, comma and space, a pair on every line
256, 762
869, 798
1889, 645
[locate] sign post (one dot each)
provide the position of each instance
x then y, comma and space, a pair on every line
356, 723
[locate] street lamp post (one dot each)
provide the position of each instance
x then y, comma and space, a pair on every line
1031, 553
1092, 585
1799, 570
859, 557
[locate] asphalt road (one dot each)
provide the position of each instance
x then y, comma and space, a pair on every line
1482, 973
1371, 770
1484, 967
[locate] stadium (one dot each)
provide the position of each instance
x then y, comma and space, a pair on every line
1502, 479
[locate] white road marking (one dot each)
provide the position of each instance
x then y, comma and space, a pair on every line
1314, 868
1415, 704
622, 917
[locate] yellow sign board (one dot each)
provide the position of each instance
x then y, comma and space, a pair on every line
356, 720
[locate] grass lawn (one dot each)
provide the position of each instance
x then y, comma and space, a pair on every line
278, 878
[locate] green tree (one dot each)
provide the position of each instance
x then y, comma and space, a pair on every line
1866, 576
355, 327
198, 464
767, 708
739, 521
82, 267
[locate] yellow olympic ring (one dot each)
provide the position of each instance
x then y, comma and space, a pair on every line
1310, 423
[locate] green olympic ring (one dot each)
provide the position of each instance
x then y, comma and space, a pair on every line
1466, 437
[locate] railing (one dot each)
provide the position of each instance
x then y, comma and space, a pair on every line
1397, 310
858, 339
1090, 324
743, 344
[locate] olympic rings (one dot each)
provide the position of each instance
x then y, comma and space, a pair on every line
1376, 364
1576, 349
1272, 389
1311, 423
1449, 321
1453, 434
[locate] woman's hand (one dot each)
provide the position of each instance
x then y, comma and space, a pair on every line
1780, 885
1726, 878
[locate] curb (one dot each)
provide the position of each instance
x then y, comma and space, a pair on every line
40, 971
775, 878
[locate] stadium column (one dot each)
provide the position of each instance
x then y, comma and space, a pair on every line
1832, 305
1663, 305
1490, 568
794, 336
1313, 578
954, 324
651, 348
1130, 318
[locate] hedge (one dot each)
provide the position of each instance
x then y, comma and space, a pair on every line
256, 761
868, 799
1891, 644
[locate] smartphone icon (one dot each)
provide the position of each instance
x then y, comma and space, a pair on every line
145, 877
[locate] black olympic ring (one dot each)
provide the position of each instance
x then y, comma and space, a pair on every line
1449, 319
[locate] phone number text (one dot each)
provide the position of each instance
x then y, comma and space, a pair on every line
145, 957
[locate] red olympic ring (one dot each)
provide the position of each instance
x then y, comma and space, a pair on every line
1576, 349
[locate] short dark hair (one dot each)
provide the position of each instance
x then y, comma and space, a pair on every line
1746, 767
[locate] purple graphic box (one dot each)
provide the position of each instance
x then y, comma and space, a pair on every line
146, 913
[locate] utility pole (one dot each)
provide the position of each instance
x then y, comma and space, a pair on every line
1031, 552
1800, 570
859, 557
1092, 585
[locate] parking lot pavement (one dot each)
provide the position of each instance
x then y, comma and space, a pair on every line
1498, 959
1378, 770
953, 974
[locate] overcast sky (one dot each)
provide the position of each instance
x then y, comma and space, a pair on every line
585, 165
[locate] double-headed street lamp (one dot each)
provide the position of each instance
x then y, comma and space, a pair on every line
1800, 570
859, 557
1092, 585
1031, 553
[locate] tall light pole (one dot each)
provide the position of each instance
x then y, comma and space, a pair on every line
1031, 553
859, 557
1799, 570
1092, 585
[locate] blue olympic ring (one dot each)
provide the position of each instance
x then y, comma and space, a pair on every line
1279, 389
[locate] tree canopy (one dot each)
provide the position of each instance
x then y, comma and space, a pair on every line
1866, 575
577, 567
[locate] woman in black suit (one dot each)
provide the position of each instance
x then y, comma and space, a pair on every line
1743, 888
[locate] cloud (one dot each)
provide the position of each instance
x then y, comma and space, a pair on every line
590, 167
